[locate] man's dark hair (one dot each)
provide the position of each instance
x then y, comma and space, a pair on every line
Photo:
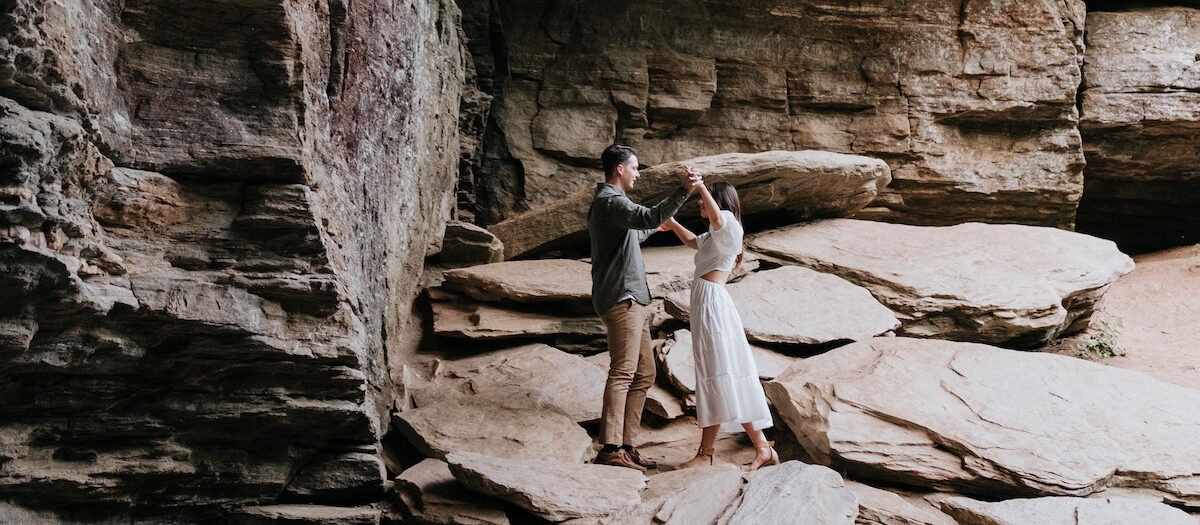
614, 155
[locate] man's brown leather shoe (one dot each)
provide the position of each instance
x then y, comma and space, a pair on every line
619, 458
637, 458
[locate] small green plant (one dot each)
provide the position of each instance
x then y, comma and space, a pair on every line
1103, 343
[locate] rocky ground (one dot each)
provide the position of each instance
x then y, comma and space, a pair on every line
244, 274
890, 407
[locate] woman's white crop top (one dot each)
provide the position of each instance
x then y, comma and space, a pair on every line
718, 249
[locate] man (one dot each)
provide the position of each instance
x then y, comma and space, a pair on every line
617, 227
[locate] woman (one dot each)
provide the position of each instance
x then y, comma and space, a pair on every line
729, 396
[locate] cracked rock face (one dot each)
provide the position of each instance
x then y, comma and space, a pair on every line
972, 104
210, 225
1140, 119
1009, 284
982, 420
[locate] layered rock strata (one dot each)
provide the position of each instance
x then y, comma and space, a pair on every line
1140, 119
972, 104
212, 222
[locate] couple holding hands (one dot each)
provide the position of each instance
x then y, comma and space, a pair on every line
729, 396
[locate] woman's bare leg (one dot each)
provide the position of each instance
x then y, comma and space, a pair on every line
763, 453
708, 438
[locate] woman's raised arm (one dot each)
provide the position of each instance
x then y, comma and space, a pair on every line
683, 233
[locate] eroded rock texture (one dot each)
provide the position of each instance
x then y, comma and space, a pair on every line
1140, 119
210, 223
971, 103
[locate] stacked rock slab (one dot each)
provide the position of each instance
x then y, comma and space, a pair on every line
1140, 119
881, 507
208, 221
977, 419
466, 244
724, 495
794, 305
794, 184
1064, 511
492, 428
1007, 284
428, 493
971, 104
535, 376
552, 491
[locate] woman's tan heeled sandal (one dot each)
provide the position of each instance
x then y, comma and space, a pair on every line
774, 456
707, 451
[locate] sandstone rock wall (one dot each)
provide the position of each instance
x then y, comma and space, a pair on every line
971, 103
1140, 119
212, 216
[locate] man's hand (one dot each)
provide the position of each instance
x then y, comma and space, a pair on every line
691, 180
666, 226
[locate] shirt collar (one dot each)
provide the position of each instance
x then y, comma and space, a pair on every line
602, 185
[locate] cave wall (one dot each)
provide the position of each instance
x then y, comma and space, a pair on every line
972, 103
1140, 119
212, 218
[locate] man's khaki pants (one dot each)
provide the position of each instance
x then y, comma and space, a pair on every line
630, 371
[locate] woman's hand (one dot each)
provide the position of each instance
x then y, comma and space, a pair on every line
667, 226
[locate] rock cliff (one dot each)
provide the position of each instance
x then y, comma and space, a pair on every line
1141, 127
212, 217
972, 104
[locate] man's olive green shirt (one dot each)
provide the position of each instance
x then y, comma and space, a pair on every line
617, 226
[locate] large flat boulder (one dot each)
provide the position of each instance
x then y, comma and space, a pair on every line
552, 491
429, 494
796, 305
803, 184
677, 485
542, 280
535, 376
1140, 122
793, 489
489, 427
1064, 511
724, 495
978, 419
486, 321
995, 283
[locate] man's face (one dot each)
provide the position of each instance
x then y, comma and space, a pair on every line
627, 173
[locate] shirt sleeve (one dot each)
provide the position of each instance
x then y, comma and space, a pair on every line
628, 214
645, 234
729, 237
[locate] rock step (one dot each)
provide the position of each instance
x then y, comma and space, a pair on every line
1008, 284
982, 420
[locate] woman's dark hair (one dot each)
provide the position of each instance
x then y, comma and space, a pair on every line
726, 198
614, 155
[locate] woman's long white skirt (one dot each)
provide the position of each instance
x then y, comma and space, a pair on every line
728, 392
